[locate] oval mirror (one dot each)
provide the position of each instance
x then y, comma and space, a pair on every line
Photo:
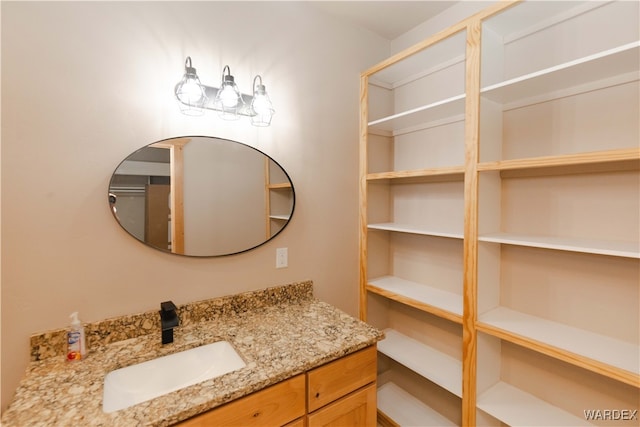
201, 196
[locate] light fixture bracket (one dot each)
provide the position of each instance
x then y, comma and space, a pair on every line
211, 92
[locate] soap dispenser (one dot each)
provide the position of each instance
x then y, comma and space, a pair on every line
76, 347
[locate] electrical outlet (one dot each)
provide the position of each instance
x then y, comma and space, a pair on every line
282, 256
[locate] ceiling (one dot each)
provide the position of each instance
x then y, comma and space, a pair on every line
388, 19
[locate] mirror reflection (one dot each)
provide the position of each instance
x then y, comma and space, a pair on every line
201, 196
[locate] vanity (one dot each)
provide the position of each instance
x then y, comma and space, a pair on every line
306, 363
341, 392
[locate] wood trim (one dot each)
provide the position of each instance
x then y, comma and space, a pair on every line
564, 355
470, 251
385, 421
280, 185
416, 304
177, 198
267, 198
595, 157
447, 32
363, 216
452, 171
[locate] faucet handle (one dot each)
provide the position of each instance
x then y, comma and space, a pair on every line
168, 306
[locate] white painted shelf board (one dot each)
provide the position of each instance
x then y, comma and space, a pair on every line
620, 60
406, 410
424, 360
572, 244
532, 16
428, 60
422, 293
601, 348
518, 408
282, 217
432, 112
414, 229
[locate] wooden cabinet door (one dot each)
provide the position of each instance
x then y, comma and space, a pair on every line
358, 409
274, 406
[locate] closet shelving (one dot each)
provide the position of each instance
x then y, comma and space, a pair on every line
415, 244
516, 224
278, 197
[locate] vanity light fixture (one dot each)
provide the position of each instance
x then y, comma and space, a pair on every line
228, 100
261, 105
193, 97
190, 92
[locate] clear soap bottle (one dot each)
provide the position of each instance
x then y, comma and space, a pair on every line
76, 346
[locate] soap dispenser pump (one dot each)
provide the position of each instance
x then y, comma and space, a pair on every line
76, 347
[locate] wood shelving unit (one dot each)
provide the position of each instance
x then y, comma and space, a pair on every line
500, 194
279, 198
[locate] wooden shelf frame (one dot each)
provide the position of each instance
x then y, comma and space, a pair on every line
594, 352
607, 68
429, 299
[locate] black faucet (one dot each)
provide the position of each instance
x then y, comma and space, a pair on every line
168, 320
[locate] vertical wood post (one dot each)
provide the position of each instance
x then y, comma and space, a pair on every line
470, 273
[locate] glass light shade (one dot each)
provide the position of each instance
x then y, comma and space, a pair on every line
228, 100
261, 108
190, 92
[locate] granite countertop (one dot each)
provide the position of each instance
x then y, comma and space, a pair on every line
277, 339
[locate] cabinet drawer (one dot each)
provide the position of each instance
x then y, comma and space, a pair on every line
274, 406
336, 379
356, 409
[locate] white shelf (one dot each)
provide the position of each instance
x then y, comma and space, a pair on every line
280, 217
424, 360
603, 65
406, 410
421, 293
600, 348
426, 61
432, 112
590, 246
516, 408
414, 229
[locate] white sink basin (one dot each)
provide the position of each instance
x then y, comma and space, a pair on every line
138, 383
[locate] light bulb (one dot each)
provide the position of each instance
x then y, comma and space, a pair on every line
190, 93
229, 97
261, 106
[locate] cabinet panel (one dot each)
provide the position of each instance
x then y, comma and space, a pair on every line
329, 382
276, 406
356, 409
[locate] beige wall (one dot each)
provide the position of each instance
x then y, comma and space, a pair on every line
86, 83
